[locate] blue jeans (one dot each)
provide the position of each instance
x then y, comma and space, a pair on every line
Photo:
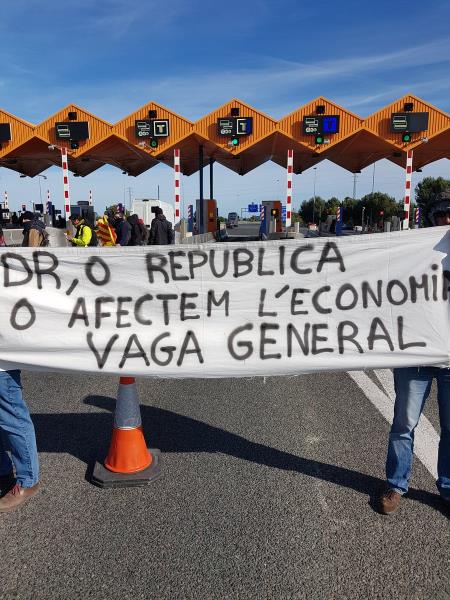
412, 388
16, 432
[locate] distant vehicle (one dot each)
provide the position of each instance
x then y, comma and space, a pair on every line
143, 208
232, 220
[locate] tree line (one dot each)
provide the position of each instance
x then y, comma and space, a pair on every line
375, 207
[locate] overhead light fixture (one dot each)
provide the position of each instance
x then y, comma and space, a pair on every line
418, 170
22, 175
124, 173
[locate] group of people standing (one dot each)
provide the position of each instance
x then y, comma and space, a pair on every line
117, 230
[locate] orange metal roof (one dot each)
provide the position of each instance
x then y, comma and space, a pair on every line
359, 142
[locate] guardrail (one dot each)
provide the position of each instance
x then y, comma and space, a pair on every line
14, 237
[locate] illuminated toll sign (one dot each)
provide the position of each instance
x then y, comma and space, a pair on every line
152, 129
411, 122
321, 124
75, 131
5, 132
149, 128
234, 127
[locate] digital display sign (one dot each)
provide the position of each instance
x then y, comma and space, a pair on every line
232, 126
75, 131
412, 122
5, 132
151, 128
321, 124
330, 124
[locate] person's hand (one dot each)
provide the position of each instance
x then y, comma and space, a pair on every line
68, 237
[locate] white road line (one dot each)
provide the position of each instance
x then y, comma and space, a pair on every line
426, 438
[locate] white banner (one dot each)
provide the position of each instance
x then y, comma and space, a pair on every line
229, 310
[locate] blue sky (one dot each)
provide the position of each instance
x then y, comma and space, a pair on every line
112, 56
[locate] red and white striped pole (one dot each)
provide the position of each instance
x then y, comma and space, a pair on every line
290, 169
65, 168
407, 201
176, 170
5, 213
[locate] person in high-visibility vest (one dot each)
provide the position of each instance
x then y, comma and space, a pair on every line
83, 235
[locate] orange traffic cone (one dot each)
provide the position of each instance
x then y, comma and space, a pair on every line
129, 461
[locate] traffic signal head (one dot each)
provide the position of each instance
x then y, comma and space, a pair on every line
406, 137
319, 139
381, 213
153, 143
234, 141
274, 212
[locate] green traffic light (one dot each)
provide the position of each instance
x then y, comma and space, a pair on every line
319, 139
406, 137
235, 142
153, 143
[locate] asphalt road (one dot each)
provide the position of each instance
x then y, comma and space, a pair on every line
245, 228
265, 493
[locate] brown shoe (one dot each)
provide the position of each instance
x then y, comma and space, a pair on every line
389, 502
17, 496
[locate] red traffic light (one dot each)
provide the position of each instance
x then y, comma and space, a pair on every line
381, 213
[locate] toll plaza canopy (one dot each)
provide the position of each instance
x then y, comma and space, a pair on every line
235, 135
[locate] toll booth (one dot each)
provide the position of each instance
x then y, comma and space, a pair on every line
83, 209
271, 217
207, 224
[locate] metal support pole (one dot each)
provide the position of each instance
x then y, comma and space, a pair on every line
314, 199
200, 224
211, 178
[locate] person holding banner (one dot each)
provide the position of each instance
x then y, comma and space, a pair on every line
412, 388
17, 435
